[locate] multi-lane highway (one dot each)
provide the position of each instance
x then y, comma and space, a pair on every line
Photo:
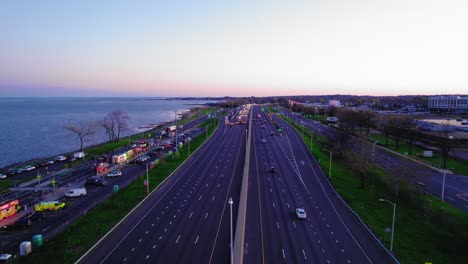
330, 234
66, 179
187, 219
456, 186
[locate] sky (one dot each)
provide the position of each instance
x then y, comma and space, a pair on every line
233, 48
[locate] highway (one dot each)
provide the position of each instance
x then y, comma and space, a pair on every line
66, 179
456, 186
330, 234
187, 219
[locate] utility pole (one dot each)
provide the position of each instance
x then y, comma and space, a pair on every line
147, 178
443, 187
230, 202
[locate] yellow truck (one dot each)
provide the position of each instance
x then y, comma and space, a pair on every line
49, 206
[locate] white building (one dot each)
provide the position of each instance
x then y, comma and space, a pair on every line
448, 103
335, 103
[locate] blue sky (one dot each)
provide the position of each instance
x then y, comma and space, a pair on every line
234, 48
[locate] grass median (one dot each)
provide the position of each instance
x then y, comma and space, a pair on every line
426, 228
455, 165
70, 244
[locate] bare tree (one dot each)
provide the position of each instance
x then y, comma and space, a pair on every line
411, 128
84, 130
445, 142
363, 160
114, 124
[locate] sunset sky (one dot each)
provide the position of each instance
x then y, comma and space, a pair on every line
233, 48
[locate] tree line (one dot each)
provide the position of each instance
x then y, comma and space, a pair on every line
113, 124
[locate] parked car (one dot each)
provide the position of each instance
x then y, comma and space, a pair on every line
263, 140
36, 216
96, 181
3, 176
300, 213
153, 153
29, 168
272, 169
115, 173
60, 158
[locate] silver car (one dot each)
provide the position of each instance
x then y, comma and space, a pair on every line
300, 213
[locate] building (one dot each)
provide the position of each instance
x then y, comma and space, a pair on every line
449, 103
335, 103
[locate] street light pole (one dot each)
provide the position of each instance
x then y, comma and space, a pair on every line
330, 169
176, 128
443, 187
393, 221
230, 202
147, 178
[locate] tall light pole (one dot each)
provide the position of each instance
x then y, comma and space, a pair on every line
176, 128
230, 202
311, 143
330, 169
147, 178
393, 221
443, 187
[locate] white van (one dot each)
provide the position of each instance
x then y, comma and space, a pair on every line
427, 154
77, 192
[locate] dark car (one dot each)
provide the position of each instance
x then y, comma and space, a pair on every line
272, 169
96, 181
36, 216
22, 223
153, 153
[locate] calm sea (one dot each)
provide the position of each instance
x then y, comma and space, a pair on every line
33, 127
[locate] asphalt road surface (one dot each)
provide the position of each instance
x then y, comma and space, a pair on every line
330, 234
187, 219
456, 186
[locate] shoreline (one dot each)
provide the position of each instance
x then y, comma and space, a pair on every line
4, 169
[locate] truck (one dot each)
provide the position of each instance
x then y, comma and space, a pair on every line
48, 206
102, 168
171, 128
119, 158
9, 208
78, 155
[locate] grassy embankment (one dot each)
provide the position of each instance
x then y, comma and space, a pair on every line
426, 229
457, 166
70, 244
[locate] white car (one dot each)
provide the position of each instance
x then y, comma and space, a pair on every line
3, 176
300, 213
60, 158
115, 173
29, 168
263, 140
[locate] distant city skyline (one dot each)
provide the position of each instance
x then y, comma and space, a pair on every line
233, 48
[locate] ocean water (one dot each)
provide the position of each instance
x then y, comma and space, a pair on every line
33, 127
